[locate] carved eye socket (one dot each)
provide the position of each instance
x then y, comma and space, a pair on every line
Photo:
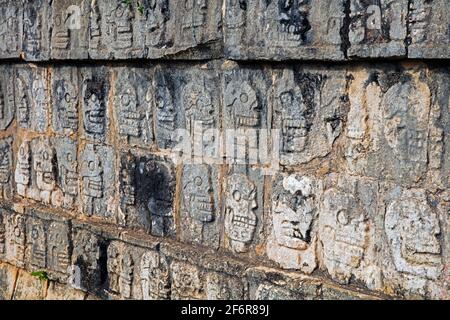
91, 165
45, 155
343, 217
244, 97
237, 195
119, 11
34, 233
198, 181
67, 97
126, 99
160, 102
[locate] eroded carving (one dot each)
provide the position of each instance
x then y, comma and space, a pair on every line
6, 162
58, 247
120, 26
94, 108
66, 107
186, 283
16, 239
413, 229
241, 98
92, 180
156, 15
22, 174
294, 208
155, 278
240, 218
37, 243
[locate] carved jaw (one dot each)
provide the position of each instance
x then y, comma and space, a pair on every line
241, 226
295, 134
202, 207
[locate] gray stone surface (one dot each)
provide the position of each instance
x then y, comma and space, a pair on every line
10, 29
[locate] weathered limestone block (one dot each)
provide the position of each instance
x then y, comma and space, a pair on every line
153, 29
346, 232
8, 275
200, 218
147, 192
281, 30
69, 29
168, 112
187, 282
243, 217
88, 263
95, 100
294, 210
32, 97
245, 111
15, 243
395, 130
6, 97
429, 29
133, 106
28, 287
97, 177
68, 175
220, 286
377, 29
309, 106
56, 291
6, 168
36, 30
65, 98
413, 256
11, 14
201, 104
154, 276
271, 284
48, 244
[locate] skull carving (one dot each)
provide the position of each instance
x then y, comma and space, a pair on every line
413, 230
23, 107
67, 107
38, 248
198, 194
420, 15
39, 93
129, 117
126, 275
241, 99
58, 247
5, 162
343, 234
235, 14
95, 111
195, 13
155, 280
405, 113
22, 175
158, 14
293, 21
121, 17
32, 25
113, 269
93, 176
240, 218
69, 173
44, 164
166, 114
293, 212
61, 33
291, 113
198, 105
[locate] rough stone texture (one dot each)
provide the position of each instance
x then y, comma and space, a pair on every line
96, 192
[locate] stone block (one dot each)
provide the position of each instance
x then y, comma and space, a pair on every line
11, 13
284, 30
36, 30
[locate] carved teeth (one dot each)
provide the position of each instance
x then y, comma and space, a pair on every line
243, 221
247, 121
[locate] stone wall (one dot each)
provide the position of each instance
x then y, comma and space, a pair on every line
97, 197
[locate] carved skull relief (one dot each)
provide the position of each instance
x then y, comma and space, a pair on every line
240, 218
413, 229
198, 195
235, 14
241, 99
23, 102
343, 234
129, 117
155, 280
293, 212
195, 13
157, 15
120, 20
94, 109
405, 110
293, 23
22, 175
44, 164
5, 163
67, 108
